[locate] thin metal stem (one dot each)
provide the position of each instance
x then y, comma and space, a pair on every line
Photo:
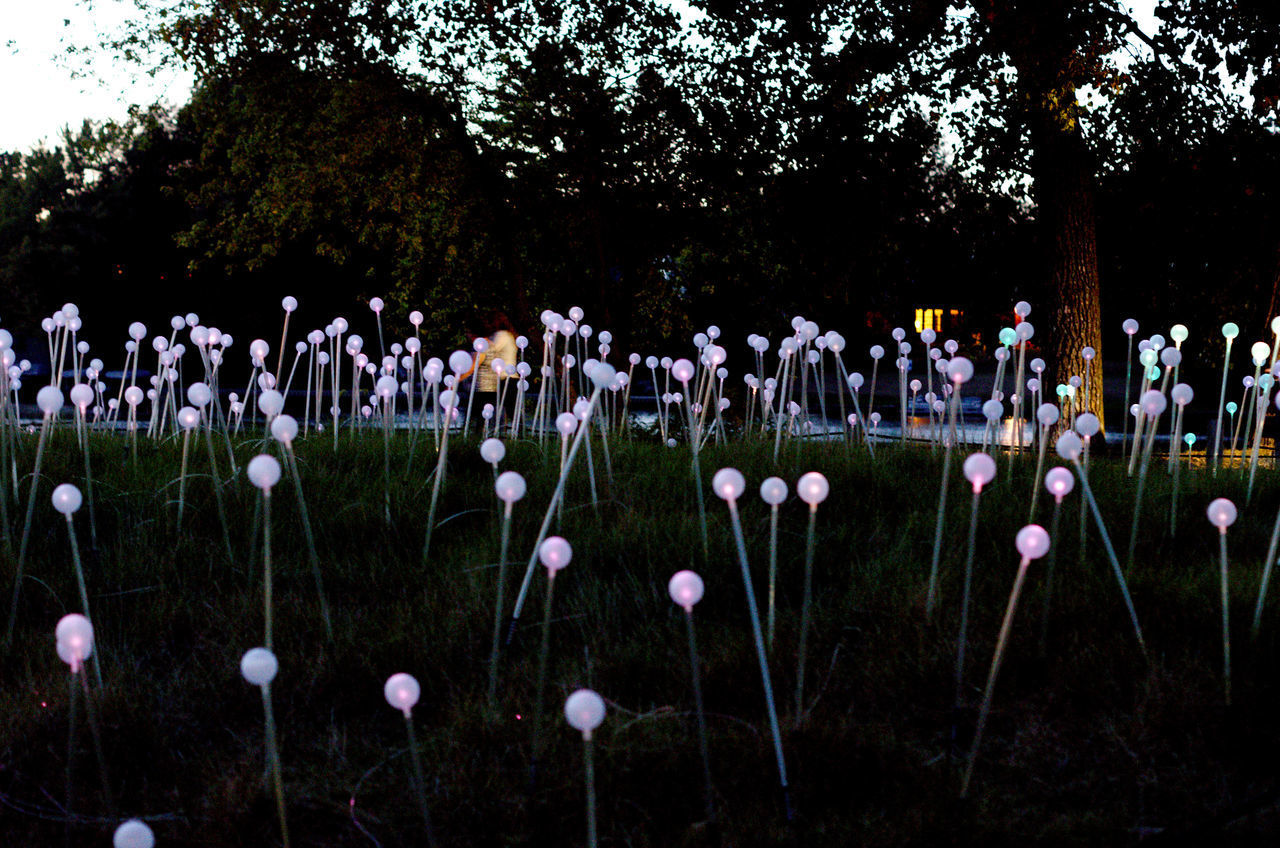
84, 595
419, 781
932, 596
1111, 556
963, 638
760, 656
497, 608
26, 531
1048, 577
773, 573
1266, 575
312, 555
987, 695
217, 489
1222, 396
441, 465
703, 747
590, 768
543, 653
806, 603
91, 713
273, 757
266, 566
1226, 628
546, 520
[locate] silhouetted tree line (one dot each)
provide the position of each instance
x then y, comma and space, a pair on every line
732, 162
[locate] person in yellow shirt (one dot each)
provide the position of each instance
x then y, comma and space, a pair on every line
502, 345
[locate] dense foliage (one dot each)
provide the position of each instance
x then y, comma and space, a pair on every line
666, 165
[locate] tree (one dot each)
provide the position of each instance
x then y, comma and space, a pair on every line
92, 220
471, 137
656, 164
1036, 94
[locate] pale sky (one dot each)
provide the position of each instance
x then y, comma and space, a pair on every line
39, 94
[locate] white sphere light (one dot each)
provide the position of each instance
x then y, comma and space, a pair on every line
459, 361
1087, 424
603, 374
979, 469
81, 395
1154, 402
74, 638
49, 400
685, 588
555, 553
1032, 541
1179, 332
1182, 394
584, 710
188, 417
270, 402
959, 370
198, 394
259, 666
1069, 446
509, 487
284, 429
1130, 326
402, 692
1048, 414
1230, 330
773, 490
566, 423
133, 834
728, 484
67, 498
264, 471
682, 370
492, 451
1059, 481
1222, 513
813, 488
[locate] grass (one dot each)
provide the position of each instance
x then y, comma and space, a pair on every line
1085, 745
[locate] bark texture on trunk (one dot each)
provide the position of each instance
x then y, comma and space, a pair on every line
1064, 193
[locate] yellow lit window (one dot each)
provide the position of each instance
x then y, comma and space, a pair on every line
928, 319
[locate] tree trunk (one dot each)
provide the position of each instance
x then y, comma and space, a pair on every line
1064, 191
